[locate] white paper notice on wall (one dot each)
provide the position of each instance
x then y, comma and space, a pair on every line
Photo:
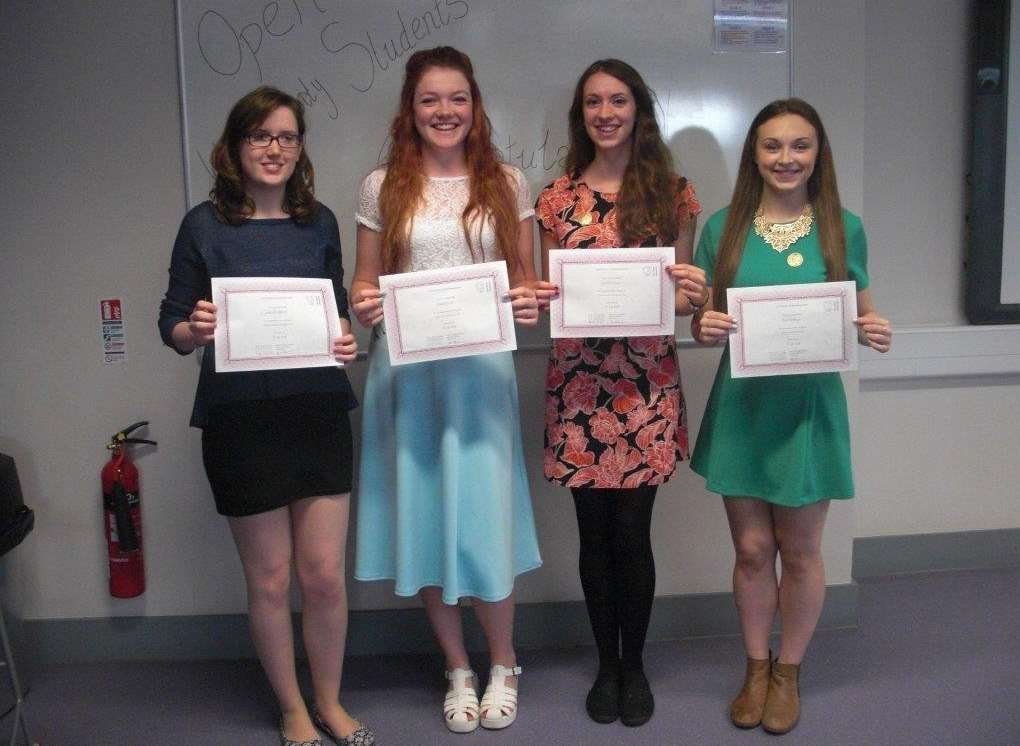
111, 331
751, 26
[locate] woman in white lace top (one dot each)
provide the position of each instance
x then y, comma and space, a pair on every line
444, 507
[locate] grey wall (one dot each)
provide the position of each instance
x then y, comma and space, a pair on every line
930, 456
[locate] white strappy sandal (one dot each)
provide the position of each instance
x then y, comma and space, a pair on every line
460, 710
499, 703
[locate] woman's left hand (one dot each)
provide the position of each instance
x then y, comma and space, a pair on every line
525, 305
345, 348
691, 281
874, 331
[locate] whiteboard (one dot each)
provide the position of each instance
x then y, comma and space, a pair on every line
345, 61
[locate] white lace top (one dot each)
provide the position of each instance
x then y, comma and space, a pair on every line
437, 236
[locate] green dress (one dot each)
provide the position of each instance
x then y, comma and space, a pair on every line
783, 439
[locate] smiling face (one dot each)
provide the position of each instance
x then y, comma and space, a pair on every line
785, 150
270, 167
443, 109
609, 112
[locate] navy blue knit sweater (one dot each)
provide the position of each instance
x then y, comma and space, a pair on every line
205, 248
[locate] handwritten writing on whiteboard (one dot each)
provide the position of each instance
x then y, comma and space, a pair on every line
412, 30
526, 156
225, 48
227, 45
310, 97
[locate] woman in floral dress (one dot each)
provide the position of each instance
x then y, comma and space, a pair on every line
615, 425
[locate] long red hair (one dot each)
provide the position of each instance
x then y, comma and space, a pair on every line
491, 196
823, 195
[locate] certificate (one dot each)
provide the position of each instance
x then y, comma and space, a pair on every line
271, 323
612, 292
436, 314
788, 329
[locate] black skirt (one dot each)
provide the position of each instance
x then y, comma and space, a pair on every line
265, 454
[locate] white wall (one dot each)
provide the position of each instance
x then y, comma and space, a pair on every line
94, 196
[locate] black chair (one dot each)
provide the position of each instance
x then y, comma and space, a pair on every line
16, 521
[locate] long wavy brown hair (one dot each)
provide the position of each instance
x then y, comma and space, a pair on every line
491, 196
823, 195
232, 203
646, 202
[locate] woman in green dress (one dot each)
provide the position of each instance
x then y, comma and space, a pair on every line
778, 447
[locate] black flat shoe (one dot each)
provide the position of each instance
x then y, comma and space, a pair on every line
603, 702
636, 701
363, 736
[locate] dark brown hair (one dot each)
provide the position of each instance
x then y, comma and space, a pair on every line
646, 202
228, 196
822, 194
491, 196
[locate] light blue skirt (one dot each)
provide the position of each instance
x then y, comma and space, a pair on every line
443, 496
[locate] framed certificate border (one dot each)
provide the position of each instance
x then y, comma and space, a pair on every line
504, 340
741, 300
224, 288
662, 255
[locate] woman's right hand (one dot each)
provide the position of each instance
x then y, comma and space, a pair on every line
712, 327
202, 323
367, 306
545, 292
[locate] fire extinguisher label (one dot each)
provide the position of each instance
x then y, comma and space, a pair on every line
111, 331
132, 500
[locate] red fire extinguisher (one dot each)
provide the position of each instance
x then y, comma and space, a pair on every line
122, 516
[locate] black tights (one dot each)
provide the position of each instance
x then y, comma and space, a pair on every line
617, 569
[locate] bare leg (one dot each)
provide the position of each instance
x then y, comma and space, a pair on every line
802, 588
499, 708
449, 631
320, 539
497, 620
755, 587
446, 626
264, 544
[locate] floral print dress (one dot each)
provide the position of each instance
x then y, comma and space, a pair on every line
614, 410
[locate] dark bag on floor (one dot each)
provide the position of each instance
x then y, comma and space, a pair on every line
16, 520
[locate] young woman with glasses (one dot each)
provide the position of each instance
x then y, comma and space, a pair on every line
276, 444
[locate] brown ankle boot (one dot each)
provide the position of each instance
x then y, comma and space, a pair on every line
782, 705
746, 709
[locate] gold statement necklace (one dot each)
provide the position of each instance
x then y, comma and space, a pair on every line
781, 236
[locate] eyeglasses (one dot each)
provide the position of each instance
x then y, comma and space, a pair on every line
286, 140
